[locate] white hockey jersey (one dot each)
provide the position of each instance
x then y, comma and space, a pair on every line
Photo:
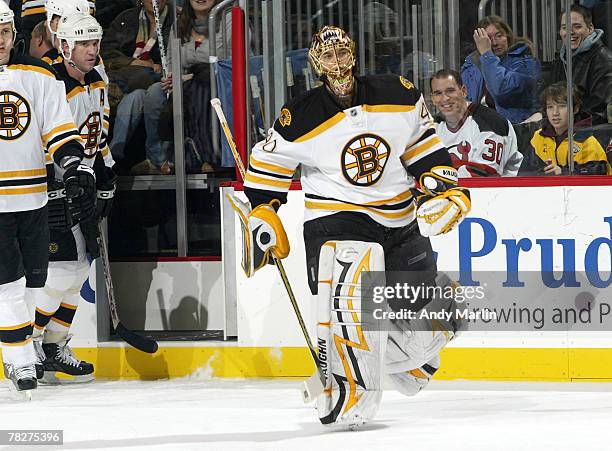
54, 57
34, 118
354, 159
483, 144
90, 112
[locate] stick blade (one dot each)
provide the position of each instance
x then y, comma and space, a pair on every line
139, 342
312, 388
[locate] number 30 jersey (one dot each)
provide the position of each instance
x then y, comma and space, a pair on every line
483, 144
90, 110
364, 158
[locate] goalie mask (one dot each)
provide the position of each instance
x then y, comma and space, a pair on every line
78, 28
332, 54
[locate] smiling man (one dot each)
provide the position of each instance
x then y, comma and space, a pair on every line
591, 62
481, 142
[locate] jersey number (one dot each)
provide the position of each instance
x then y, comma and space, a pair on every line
494, 152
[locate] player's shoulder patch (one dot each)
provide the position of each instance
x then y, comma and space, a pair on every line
389, 89
29, 63
304, 113
489, 120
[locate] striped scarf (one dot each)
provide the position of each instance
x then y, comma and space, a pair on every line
144, 43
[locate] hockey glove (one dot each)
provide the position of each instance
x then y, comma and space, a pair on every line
79, 179
57, 206
106, 195
444, 204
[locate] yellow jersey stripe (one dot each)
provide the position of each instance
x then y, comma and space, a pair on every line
26, 67
68, 306
98, 84
400, 197
415, 151
349, 207
59, 321
17, 191
76, 91
33, 11
263, 181
24, 173
58, 130
59, 144
270, 167
387, 108
329, 123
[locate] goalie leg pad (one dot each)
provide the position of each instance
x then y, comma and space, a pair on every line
411, 382
415, 343
351, 358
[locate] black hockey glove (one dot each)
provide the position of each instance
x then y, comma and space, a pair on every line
91, 233
57, 206
106, 195
79, 179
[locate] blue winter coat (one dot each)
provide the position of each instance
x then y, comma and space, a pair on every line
512, 81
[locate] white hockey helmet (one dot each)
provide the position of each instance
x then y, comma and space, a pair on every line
7, 16
78, 27
63, 8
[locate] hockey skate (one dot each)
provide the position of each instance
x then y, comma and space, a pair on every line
21, 380
62, 367
40, 357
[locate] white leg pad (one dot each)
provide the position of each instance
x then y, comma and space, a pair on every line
352, 358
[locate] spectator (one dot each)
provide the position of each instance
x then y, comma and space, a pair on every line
550, 143
480, 141
40, 44
192, 30
591, 62
107, 10
130, 50
503, 72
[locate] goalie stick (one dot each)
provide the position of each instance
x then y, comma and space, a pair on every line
139, 342
314, 385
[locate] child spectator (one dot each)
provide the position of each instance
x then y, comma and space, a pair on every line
591, 62
503, 73
550, 143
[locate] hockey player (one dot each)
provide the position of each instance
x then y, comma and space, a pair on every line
481, 142
79, 36
34, 118
363, 142
55, 10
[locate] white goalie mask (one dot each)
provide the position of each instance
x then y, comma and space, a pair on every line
332, 54
7, 16
76, 28
64, 8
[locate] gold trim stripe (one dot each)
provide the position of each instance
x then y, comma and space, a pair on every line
75, 92
387, 108
27, 67
17, 191
68, 306
24, 173
270, 167
98, 84
58, 130
279, 184
19, 343
19, 326
329, 123
413, 152
336, 206
59, 321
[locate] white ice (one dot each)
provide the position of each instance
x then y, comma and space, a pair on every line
269, 415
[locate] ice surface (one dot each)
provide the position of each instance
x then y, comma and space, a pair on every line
269, 415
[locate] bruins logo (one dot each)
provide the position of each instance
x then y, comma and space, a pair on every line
364, 159
285, 117
405, 83
15, 115
53, 248
90, 132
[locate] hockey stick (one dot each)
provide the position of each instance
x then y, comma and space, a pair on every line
139, 342
313, 386
160, 39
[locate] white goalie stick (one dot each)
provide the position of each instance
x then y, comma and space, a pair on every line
160, 40
314, 385
139, 342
